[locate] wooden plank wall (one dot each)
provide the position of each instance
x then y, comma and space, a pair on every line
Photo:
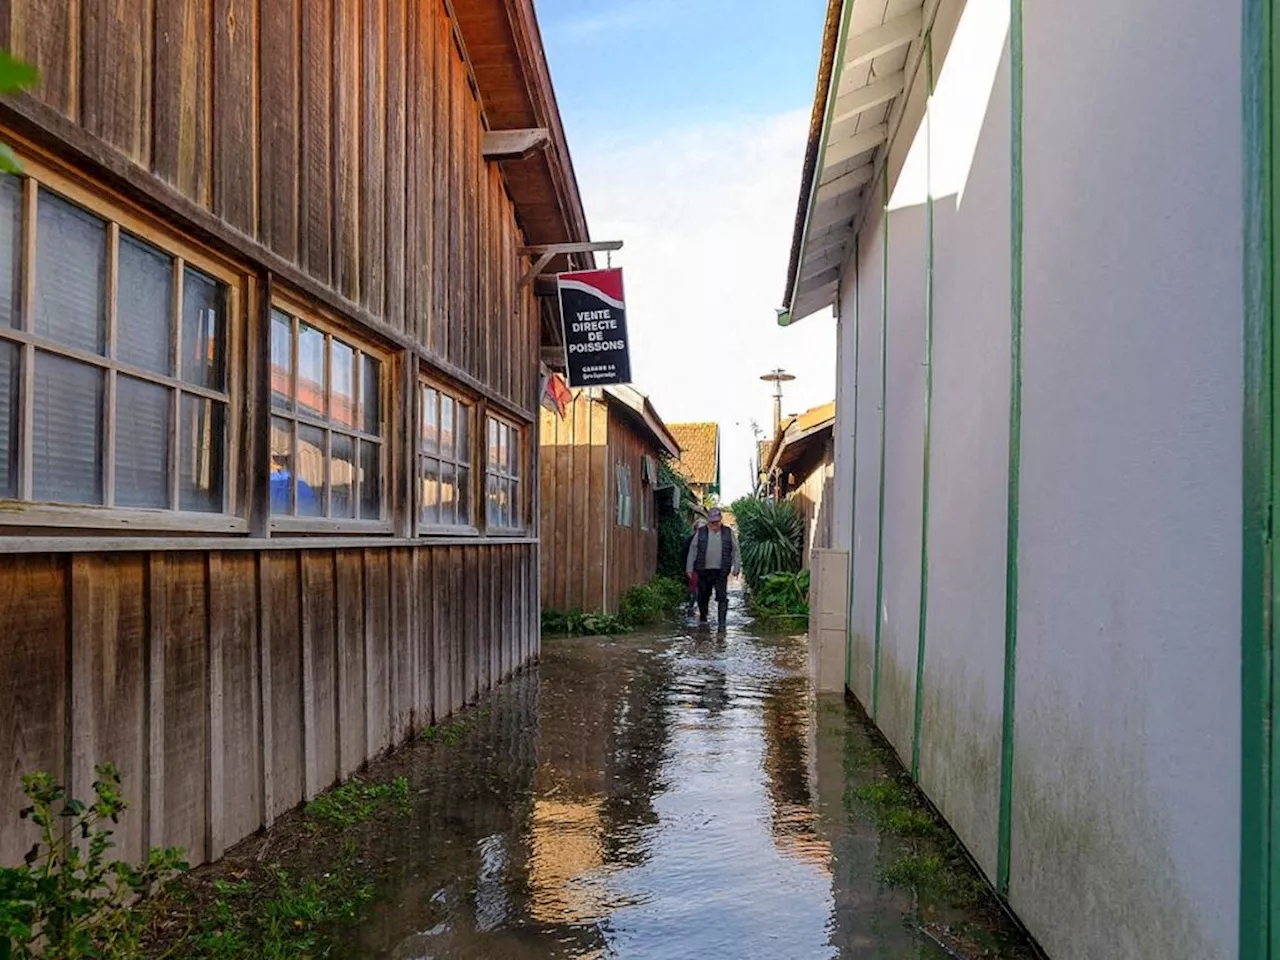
814, 500
587, 559
230, 686
347, 141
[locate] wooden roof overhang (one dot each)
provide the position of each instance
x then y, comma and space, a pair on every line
504, 48
871, 60
639, 410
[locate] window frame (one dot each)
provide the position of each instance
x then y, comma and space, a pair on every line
518, 503
118, 216
460, 398
624, 499
300, 311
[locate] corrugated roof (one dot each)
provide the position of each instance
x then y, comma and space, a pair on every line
699, 451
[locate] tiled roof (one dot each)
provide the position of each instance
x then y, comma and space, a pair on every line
699, 445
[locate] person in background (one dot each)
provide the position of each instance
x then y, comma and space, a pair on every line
692, 596
713, 556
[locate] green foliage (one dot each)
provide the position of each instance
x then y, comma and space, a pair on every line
15, 75
770, 536
70, 900
281, 917
575, 623
357, 801
782, 595
673, 526
648, 603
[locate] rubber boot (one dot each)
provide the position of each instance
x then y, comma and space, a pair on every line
723, 610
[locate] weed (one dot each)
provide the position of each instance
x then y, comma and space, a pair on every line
356, 801
69, 900
917, 871
448, 734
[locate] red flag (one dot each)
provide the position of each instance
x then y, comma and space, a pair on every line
556, 395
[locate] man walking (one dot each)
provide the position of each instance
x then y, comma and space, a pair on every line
713, 556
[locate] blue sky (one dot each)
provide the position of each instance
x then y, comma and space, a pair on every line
687, 121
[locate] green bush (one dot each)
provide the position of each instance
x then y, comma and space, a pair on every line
782, 595
673, 526
650, 602
771, 538
69, 901
575, 623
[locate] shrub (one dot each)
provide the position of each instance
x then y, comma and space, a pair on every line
648, 603
69, 900
575, 623
783, 595
673, 526
771, 538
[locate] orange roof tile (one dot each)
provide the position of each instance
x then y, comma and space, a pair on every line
700, 451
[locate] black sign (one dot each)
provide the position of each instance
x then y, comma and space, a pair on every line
594, 318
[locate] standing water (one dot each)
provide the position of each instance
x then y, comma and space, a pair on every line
674, 793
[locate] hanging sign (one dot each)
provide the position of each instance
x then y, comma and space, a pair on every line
594, 319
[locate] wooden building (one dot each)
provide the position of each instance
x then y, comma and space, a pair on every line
799, 464
268, 380
699, 461
599, 514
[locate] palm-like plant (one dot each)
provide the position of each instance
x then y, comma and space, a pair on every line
771, 537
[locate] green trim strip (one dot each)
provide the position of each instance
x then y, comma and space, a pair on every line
1259, 902
884, 368
928, 411
1015, 451
853, 493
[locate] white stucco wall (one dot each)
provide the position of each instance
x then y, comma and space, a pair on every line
1126, 791
841, 494
866, 520
964, 647
904, 458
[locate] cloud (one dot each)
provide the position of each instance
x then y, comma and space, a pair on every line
706, 214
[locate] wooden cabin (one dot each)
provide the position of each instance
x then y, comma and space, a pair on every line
799, 465
699, 460
268, 380
599, 511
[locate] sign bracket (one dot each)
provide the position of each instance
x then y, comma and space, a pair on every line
546, 252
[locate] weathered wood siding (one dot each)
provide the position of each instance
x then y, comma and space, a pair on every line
588, 559
341, 136
815, 500
229, 686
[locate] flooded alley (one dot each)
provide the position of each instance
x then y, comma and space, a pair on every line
673, 793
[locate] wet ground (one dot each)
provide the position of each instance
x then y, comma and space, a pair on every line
669, 794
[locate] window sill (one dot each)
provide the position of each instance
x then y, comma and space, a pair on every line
20, 513
135, 544
322, 525
439, 530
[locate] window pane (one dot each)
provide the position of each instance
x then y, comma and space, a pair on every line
67, 445
204, 428
311, 485
204, 330
343, 394
144, 304
430, 491
493, 443
310, 369
448, 494
446, 426
513, 451
464, 496
143, 428
342, 476
281, 360
281, 466
515, 517
370, 481
504, 448
10, 364
504, 501
491, 498
10, 249
463, 414
70, 274
430, 422
371, 394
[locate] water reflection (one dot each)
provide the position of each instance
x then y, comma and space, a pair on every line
661, 796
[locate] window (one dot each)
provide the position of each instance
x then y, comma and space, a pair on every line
646, 494
623, 501
113, 363
444, 459
327, 437
503, 494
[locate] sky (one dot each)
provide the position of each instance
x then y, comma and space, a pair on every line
686, 121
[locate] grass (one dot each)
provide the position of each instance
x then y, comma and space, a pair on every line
357, 801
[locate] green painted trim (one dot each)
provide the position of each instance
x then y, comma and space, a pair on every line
837, 67
1259, 898
884, 387
926, 468
853, 493
1015, 451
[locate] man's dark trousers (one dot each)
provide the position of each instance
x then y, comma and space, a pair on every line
707, 581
